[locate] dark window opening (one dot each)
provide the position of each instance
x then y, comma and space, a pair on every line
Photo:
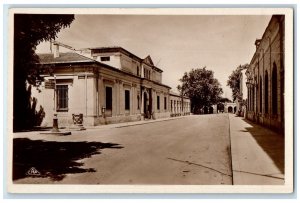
108, 92
165, 103
127, 99
138, 102
158, 103
260, 95
62, 97
105, 58
274, 89
137, 71
248, 99
147, 74
252, 99
266, 93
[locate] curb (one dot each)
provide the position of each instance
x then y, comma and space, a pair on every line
148, 122
120, 125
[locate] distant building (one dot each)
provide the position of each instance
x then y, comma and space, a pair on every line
230, 107
104, 85
179, 105
265, 77
209, 109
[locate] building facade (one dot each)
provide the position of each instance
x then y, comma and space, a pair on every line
209, 109
265, 77
179, 105
103, 85
230, 107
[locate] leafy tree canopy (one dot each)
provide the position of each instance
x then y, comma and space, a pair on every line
224, 100
201, 87
29, 31
234, 82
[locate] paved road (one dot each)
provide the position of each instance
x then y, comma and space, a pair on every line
188, 150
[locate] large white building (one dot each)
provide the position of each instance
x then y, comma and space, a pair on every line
104, 85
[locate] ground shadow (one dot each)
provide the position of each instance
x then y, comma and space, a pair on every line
272, 143
53, 159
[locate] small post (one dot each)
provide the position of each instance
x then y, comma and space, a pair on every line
55, 124
103, 114
103, 111
55, 130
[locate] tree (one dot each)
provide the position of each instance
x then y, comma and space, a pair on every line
234, 82
223, 100
29, 31
201, 87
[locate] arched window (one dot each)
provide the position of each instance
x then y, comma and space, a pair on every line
253, 95
260, 95
274, 89
266, 93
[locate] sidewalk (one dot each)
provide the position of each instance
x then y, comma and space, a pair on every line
257, 153
132, 123
98, 127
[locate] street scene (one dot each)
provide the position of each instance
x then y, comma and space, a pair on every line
120, 99
199, 151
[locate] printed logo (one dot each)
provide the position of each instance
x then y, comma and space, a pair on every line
33, 172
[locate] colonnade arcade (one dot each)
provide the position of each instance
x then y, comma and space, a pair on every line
263, 92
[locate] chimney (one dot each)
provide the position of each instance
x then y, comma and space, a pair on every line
55, 50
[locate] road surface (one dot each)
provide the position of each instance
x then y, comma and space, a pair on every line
187, 150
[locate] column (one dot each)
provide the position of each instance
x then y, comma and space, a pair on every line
121, 103
117, 89
142, 104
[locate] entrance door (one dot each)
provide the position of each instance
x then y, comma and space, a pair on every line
108, 101
146, 110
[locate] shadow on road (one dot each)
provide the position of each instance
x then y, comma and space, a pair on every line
53, 159
271, 142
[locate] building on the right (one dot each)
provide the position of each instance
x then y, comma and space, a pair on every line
265, 77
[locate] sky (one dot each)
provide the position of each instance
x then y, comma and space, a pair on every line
175, 43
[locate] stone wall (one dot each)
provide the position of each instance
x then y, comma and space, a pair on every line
266, 74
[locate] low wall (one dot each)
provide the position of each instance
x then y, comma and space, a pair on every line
117, 119
161, 115
268, 121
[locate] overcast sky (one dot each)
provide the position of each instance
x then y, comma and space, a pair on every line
176, 44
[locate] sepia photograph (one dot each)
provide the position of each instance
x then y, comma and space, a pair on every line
150, 100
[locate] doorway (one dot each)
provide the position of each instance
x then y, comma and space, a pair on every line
146, 106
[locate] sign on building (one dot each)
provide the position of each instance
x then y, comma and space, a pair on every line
50, 84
